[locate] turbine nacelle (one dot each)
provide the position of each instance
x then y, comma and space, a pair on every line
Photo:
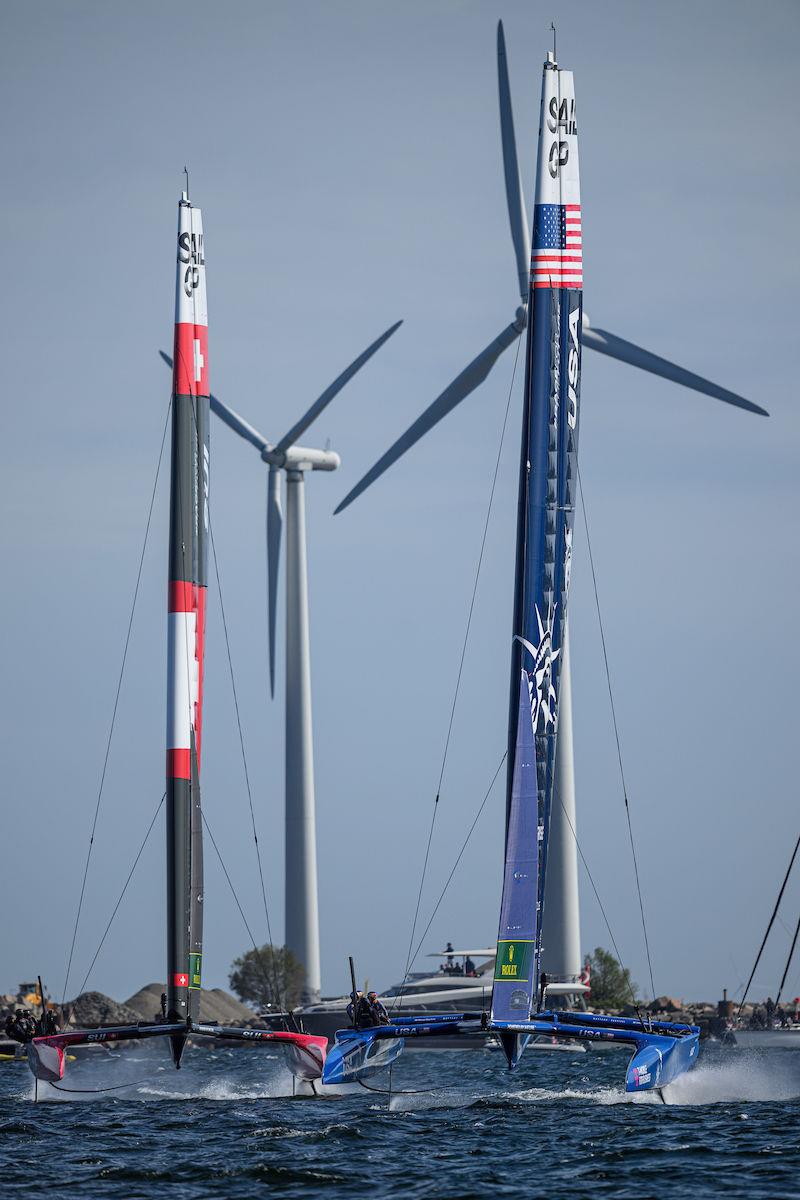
301, 458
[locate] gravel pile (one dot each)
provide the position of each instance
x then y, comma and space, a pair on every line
93, 1008
215, 1005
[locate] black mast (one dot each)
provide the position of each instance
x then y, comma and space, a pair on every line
188, 540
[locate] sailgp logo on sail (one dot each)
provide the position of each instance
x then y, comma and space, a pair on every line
561, 119
190, 250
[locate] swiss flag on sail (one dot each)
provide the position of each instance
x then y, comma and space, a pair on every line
180, 979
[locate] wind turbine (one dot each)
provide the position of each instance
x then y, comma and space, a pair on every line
292, 460
562, 931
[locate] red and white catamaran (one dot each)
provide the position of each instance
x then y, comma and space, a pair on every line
187, 583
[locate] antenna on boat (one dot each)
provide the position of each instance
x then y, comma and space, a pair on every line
41, 997
555, 56
354, 989
186, 173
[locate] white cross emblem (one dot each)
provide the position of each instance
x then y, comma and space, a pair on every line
198, 361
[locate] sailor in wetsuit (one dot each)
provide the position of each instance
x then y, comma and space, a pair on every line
359, 1012
21, 1026
543, 982
377, 1010
48, 1023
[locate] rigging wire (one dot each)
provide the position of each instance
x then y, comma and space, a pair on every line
116, 705
788, 962
409, 959
226, 873
769, 926
616, 734
276, 980
122, 893
460, 855
626, 973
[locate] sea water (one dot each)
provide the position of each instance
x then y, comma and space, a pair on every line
455, 1125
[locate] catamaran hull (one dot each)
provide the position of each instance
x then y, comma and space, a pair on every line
656, 1065
305, 1053
662, 1051
358, 1053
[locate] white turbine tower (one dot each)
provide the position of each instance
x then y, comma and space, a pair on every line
292, 460
561, 942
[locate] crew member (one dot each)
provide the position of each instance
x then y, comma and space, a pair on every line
48, 1022
377, 1011
359, 1012
21, 1026
543, 982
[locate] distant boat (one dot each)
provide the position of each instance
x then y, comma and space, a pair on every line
785, 1037
516, 1011
187, 579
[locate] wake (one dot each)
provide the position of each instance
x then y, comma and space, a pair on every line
128, 1079
753, 1077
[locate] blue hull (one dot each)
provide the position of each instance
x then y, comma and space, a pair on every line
656, 1065
663, 1050
357, 1054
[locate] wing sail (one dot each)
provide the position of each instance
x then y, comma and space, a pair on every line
544, 541
188, 571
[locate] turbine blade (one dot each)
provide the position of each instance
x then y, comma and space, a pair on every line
238, 424
627, 352
324, 400
516, 201
274, 530
231, 418
470, 378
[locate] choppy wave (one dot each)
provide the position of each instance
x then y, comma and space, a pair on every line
226, 1126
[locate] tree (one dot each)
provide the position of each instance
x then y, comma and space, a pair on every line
611, 983
268, 977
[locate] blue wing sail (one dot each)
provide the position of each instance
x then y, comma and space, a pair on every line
545, 514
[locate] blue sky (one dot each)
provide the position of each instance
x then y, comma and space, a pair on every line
347, 159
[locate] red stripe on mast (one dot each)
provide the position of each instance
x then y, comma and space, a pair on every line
182, 596
179, 764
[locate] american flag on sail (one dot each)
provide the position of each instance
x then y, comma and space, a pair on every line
557, 255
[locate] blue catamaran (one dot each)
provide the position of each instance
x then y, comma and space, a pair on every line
545, 517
